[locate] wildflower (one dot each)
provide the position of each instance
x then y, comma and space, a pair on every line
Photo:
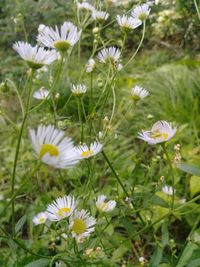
110, 54
99, 15
61, 208
81, 225
85, 6
86, 152
119, 67
52, 148
138, 93
79, 89
141, 12
128, 23
168, 190
103, 205
90, 65
36, 57
61, 39
161, 131
41, 27
41, 94
40, 218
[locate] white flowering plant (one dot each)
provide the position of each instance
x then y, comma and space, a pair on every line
92, 166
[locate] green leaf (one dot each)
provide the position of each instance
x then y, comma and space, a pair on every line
20, 223
119, 253
194, 185
189, 168
39, 263
186, 254
165, 234
156, 200
157, 257
194, 263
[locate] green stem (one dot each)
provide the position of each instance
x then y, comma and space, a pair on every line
197, 8
172, 174
121, 184
138, 48
114, 104
17, 151
80, 117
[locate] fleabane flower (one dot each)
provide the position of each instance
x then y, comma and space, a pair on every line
40, 218
41, 94
61, 208
128, 23
168, 190
110, 54
52, 148
99, 15
90, 65
161, 131
36, 57
81, 225
60, 39
138, 93
85, 6
141, 12
103, 205
79, 89
84, 151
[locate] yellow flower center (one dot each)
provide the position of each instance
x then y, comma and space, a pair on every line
63, 212
79, 226
62, 46
158, 134
103, 206
42, 220
87, 153
50, 149
143, 16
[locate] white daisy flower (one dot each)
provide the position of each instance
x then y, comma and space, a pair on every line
40, 218
138, 93
90, 65
161, 131
61, 208
141, 12
79, 89
41, 94
61, 39
36, 57
81, 225
128, 23
85, 6
168, 190
103, 205
110, 54
84, 151
99, 15
52, 148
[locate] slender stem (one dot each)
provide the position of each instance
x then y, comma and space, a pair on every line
172, 174
114, 103
197, 8
80, 117
138, 48
121, 184
17, 152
